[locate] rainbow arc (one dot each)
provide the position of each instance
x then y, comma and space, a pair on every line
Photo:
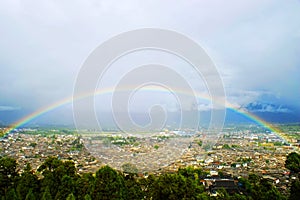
25, 120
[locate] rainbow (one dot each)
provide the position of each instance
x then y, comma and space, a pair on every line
23, 121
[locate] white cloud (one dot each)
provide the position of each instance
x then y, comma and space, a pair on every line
205, 107
9, 108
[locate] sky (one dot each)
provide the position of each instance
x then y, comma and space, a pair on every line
255, 46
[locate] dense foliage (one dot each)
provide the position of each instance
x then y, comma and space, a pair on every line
293, 162
57, 179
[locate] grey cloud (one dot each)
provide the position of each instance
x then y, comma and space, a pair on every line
255, 44
266, 107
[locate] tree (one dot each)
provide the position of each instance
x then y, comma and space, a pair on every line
203, 196
30, 195
84, 185
50, 164
50, 182
12, 195
268, 191
223, 194
293, 162
254, 179
46, 194
146, 185
187, 172
194, 188
169, 186
27, 182
295, 190
61, 181
51, 178
87, 197
238, 197
8, 174
133, 189
60, 168
70, 197
68, 168
246, 186
66, 187
54, 170
109, 184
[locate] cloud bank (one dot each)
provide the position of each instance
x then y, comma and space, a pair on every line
254, 44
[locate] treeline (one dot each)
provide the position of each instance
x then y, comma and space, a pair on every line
57, 179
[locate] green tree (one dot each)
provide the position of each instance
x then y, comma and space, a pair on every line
11, 194
68, 168
84, 185
8, 174
146, 185
87, 197
50, 164
295, 190
293, 162
237, 196
203, 196
54, 170
66, 187
47, 195
223, 194
133, 189
169, 186
193, 188
70, 197
51, 178
30, 195
246, 185
262, 189
268, 191
27, 182
254, 179
109, 184
187, 172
